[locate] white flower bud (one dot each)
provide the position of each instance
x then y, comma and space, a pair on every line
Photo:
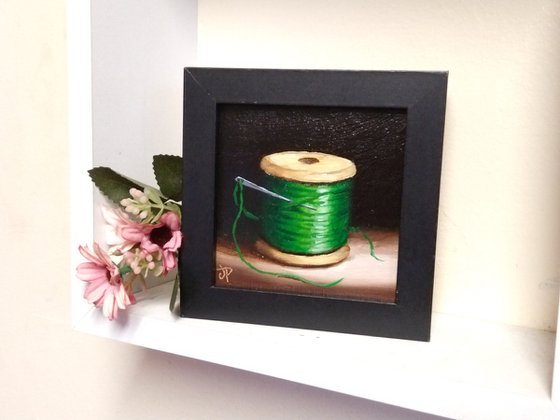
135, 193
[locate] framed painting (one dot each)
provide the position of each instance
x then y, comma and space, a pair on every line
310, 198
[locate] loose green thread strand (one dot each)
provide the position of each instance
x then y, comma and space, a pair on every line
246, 212
367, 238
238, 199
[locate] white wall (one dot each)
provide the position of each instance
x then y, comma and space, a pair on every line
47, 370
499, 226
139, 50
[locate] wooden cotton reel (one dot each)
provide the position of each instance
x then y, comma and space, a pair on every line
309, 170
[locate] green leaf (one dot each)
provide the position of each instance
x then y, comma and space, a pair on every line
168, 171
111, 184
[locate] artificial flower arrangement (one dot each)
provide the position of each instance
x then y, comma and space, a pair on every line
144, 225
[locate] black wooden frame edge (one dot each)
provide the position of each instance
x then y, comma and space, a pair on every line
423, 94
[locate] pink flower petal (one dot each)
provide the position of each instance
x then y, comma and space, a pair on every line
89, 271
171, 220
148, 245
87, 254
109, 306
131, 299
174, 243
102, 255
120, 297
169, 261
132, 234
94, 292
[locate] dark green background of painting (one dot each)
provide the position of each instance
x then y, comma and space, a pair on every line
374, 139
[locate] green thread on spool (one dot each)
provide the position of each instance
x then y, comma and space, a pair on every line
295, 229
238, 199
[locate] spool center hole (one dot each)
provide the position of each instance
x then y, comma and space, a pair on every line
308, 160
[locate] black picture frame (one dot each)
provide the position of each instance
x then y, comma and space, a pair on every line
421, 94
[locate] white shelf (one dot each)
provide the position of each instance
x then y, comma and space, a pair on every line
470, 369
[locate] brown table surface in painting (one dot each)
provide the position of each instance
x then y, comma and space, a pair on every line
365, 278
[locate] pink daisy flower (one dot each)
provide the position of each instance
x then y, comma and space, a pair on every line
104, 287
165, 237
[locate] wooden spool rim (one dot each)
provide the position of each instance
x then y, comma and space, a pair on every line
302, 260
309, 167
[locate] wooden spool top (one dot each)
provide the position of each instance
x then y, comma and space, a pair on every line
310, 167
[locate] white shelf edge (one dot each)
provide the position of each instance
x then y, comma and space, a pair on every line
498, 368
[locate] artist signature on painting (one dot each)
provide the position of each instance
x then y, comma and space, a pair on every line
224, 272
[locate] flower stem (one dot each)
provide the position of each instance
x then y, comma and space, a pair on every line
174, 293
